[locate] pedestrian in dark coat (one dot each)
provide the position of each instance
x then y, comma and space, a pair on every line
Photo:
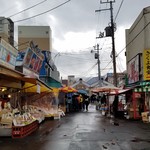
86, 101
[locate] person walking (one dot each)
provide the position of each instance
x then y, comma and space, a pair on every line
81, 103
86, 101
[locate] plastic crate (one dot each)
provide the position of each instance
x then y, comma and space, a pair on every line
22, 131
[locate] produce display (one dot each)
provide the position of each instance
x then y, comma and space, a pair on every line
13, 117
27, 117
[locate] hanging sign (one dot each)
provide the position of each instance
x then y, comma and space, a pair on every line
33, 59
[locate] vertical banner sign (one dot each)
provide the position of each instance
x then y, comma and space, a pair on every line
133, 70
146, 64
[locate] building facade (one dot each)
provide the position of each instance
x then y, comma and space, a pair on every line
7, 30
120, 78
138, 64
138, 46
41, 35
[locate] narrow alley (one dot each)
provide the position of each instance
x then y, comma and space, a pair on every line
84, 131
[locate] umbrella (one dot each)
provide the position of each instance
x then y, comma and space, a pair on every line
82, 92
105, 89
67, 89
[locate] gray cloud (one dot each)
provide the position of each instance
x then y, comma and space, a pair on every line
76, 16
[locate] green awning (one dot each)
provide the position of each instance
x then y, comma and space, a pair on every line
144, 83
53, 83
139, 83
144, 89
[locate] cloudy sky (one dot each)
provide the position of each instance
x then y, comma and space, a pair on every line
75, 26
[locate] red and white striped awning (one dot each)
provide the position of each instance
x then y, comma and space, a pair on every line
121, 91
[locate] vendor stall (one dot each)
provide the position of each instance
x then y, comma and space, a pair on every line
140, 101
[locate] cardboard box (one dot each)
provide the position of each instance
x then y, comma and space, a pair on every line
145, 116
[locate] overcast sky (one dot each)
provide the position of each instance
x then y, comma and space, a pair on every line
75, 26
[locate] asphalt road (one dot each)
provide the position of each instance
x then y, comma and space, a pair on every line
84, 131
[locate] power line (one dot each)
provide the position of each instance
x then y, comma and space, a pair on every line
27, 9
118, 10
90, 69
133, 38
23, 10
43, 12
129, 42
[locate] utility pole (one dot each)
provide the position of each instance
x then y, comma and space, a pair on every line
97, 49
98, 62
112, 35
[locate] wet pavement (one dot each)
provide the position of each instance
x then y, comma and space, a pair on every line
84, 131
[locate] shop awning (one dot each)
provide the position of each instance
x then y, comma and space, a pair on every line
10, 78
106, 89
121, 91
142, 89
35, 88
52, 82
144, 83
35, 85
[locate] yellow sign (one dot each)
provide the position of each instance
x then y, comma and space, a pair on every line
146, 64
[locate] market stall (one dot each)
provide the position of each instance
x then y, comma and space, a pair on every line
24, 99
65, 98
103, 99
140, 102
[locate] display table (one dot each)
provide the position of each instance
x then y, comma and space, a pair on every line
22, 131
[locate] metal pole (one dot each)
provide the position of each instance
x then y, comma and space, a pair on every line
113, 45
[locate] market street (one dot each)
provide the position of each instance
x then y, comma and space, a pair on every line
84, 131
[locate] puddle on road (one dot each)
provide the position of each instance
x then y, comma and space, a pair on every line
140, 140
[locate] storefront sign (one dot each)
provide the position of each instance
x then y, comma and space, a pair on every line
146, 65
133, 70
8, 54
33, 61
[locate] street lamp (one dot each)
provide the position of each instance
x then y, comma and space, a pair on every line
98, 62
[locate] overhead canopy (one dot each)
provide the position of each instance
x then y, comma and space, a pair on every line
67, 89
53, 83
142, 89
10, 78
34, 85
121, 91
107, 89
29, 87
144, 83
